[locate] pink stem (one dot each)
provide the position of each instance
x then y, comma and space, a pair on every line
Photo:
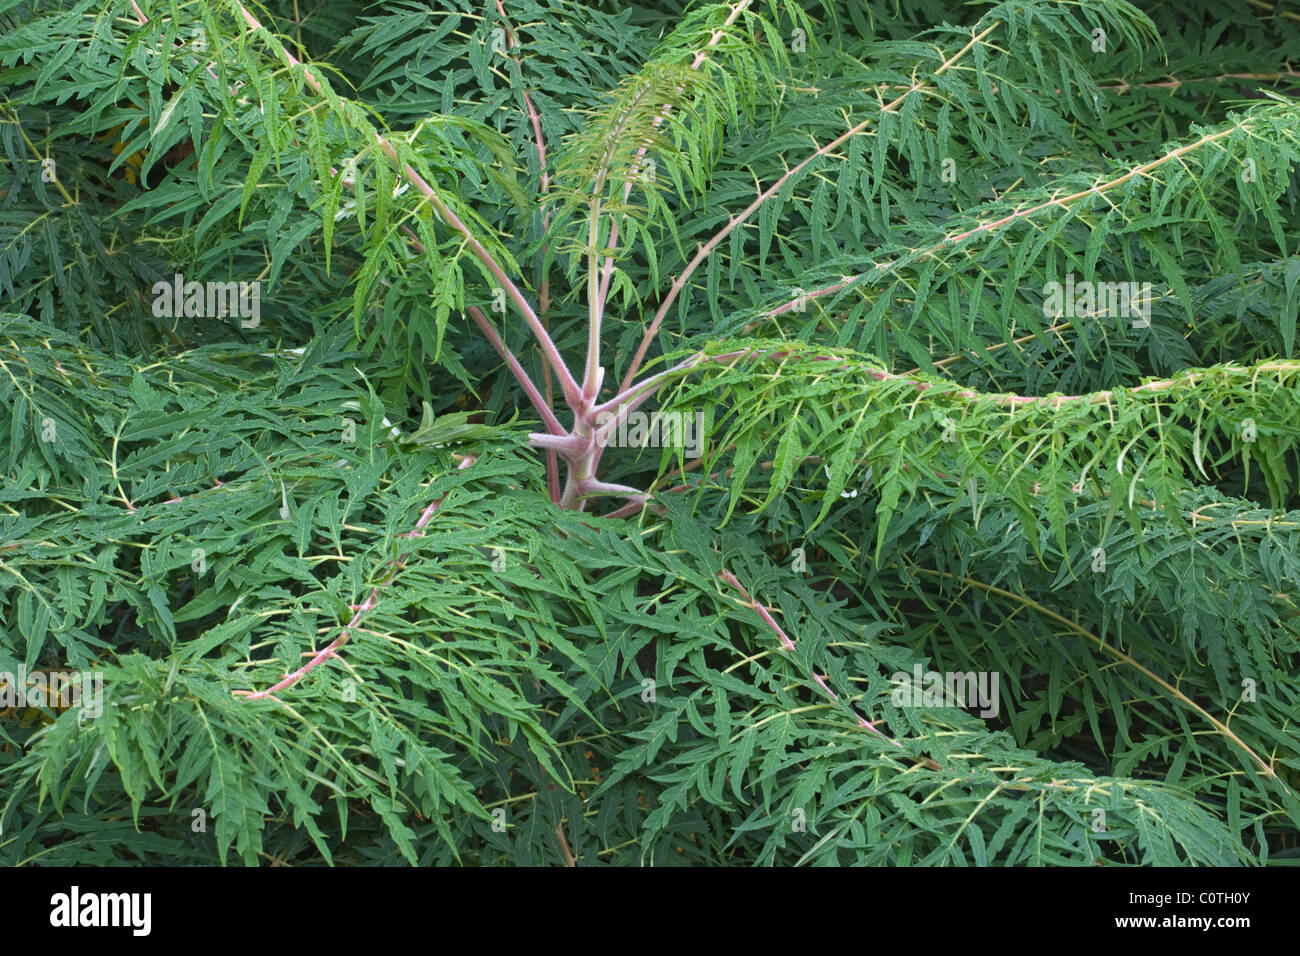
788, 644
1059, 202
548, 417
549, 351
320, 657
543, 295
700, 57
704, 251
369, 604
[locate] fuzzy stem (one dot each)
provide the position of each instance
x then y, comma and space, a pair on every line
705, 250
595, 283
1060, 202
544, 286
788, 645
548, 417
700, 57
369, 604
549, 351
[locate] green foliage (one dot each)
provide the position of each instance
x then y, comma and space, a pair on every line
342, 612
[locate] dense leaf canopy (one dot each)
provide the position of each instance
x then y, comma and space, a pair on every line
985, 314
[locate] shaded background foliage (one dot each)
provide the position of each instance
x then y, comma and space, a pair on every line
503, 665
